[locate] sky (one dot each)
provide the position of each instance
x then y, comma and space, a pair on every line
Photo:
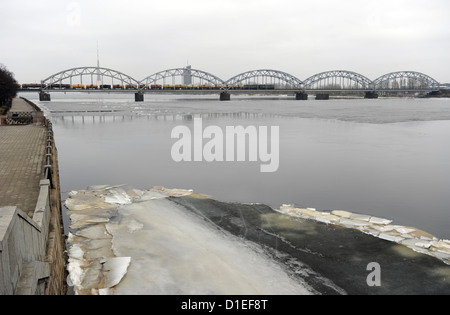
226, 37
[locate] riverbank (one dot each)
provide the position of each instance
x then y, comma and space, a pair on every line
31, 236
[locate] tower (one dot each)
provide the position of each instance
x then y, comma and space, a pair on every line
99, 76
187, 76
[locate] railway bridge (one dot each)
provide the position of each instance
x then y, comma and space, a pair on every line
185, 80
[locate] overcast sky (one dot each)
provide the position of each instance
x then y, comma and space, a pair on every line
226, 37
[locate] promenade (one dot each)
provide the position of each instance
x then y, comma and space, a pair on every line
22, 152
31, 234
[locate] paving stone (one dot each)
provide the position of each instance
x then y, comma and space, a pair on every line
22, 152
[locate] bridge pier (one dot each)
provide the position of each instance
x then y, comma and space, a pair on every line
371, 95
225, 96
139, 97
301, 96
322, 97
44, 97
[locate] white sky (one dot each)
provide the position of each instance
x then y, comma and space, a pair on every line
226, 37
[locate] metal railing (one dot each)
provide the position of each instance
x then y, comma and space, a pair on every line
48, 167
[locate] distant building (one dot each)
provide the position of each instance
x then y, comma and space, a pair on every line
187, 76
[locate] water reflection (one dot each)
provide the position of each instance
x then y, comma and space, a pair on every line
101, 118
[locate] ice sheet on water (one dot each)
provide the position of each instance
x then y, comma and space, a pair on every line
158, 248
418, 240
163, 248
177, 253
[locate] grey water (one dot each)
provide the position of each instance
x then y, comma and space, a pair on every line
388, 157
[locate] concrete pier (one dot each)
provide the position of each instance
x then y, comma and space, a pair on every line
225, 96
322, 97
301, 96
31, 233
371, 95
139, 97
44, 97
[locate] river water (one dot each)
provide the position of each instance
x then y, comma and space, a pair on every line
388, 158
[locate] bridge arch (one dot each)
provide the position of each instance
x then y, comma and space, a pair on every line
406, 80
98, 72
338, 80
289, 80
186, 74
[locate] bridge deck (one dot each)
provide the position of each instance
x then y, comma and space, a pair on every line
236, 91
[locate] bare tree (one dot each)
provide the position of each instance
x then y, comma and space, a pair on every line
8, 88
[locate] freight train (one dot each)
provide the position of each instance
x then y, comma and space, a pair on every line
211, 87
34, 86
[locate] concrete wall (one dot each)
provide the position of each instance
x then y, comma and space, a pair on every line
22, 240
55, 252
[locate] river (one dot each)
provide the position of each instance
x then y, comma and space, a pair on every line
387, 158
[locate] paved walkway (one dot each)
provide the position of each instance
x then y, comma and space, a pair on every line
19, 105
22, 152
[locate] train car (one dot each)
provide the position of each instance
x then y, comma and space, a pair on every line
56, 86
78, 86
31, 86
91, 87
168, 87
118, 87
131, 86
259, 87
156, 87
105, 87
180, 87
266, 87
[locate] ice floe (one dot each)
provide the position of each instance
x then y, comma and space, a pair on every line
114, 269
93, 266
418, 240
153, 246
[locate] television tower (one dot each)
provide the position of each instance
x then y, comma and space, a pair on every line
99, 78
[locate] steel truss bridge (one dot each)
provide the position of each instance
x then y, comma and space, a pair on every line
335, 81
